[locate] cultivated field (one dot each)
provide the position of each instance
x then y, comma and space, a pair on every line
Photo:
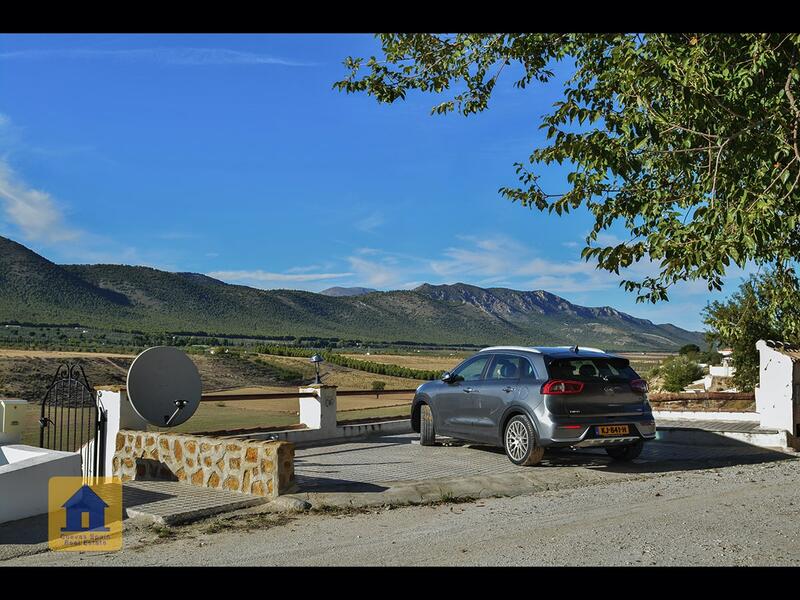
412, 361
27, 373
343, 377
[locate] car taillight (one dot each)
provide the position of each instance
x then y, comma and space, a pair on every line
562, 386
639, 385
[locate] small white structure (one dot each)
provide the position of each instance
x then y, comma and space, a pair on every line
726, 369
319, 412
11, 410
26, 470
24, 475
778, 390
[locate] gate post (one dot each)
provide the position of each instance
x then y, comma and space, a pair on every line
319, 412
119, 415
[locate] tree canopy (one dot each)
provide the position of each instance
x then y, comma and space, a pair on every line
689, 141
764, 307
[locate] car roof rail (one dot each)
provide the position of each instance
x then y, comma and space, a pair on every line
518, 348
579, 348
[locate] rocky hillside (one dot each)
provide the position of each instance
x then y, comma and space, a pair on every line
35, 290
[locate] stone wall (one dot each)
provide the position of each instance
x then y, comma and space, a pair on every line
253, 467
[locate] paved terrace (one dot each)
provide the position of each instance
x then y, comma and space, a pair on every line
714, 425
397, 469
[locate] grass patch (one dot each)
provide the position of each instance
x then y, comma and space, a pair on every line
248, 522
163, 531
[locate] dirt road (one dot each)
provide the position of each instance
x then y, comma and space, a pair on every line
738, 515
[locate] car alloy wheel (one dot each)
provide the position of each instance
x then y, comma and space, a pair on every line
520, 442
517, 440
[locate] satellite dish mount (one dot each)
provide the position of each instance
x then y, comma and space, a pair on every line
181, 404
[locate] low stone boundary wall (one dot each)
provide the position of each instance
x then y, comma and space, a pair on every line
260, 468
700, 396
705, 415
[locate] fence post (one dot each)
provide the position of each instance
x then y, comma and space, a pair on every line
119, 415
319, 412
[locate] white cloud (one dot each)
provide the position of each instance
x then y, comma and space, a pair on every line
265, 277
168, 56
177, 235
607, 239
307, 269
501, 260
370, 223
34, 212
377, 274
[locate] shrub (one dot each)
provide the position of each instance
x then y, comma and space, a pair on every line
689, 349
678, 372
378, 385
759, 310
710, 358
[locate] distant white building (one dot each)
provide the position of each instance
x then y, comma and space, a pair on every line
726, 369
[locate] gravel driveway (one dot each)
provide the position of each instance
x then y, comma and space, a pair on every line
734, 515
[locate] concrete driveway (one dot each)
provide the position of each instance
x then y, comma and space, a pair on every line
397, 470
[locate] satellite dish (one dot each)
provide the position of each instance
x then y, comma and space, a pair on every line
164, 386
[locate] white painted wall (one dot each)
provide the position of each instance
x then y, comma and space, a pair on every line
699, 415
721, 370
319, 412
776, 389
11, 411
24, 475
120, 415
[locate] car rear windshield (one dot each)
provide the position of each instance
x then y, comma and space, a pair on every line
591, 369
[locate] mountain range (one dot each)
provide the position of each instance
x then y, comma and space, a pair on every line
36, 290
346, 291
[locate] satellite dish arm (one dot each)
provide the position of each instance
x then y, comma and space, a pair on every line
180, 404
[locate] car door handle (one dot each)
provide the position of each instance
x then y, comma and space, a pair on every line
468, 390
508, 389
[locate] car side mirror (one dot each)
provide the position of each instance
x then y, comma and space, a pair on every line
447, 377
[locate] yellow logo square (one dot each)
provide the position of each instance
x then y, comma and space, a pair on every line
85, 514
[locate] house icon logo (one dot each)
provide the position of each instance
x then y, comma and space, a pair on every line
86, 511
85, 514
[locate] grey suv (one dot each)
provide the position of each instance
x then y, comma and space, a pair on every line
526, 399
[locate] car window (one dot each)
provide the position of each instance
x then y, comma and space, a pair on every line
592, 369
472, 369
507, 366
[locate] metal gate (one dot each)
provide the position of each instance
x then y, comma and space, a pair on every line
73, 420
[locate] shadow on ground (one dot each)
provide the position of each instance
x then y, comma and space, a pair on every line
33, 530
657, 457
30, 531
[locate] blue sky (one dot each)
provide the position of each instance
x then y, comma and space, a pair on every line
233, 156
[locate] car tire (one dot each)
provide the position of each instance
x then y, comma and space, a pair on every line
625, 453
427, 434
519, 441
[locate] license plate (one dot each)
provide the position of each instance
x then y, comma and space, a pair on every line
611, 430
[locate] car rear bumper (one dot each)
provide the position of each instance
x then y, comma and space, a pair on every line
582, 432
601, 442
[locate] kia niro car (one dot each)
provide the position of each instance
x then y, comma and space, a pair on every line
528, 399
